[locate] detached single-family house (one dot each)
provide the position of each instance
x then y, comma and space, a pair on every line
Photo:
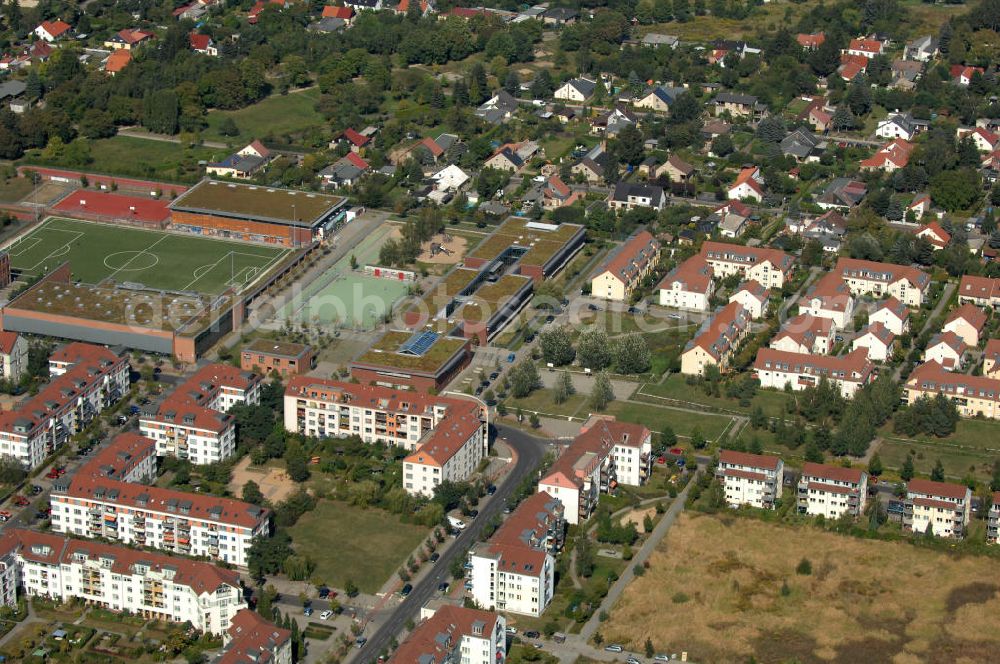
630, 195
658, 98
947, 349
866, 48
203, 44
242, 164
933, 233
731, 218
345, 14
128, 39
899, 125
962, 74
556, 194
737, 105
688, 286
842, 193
498, 108
117, 61
967, 321
626, 267
890, 157
803, 146
877, 340
346, 171
921, 49
676, 169
749, 185
984, 139
654, 39
51, 31
591, 167
612, 122
577, 89
810, 42
512, 157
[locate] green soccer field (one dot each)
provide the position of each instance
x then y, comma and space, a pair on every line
155, 259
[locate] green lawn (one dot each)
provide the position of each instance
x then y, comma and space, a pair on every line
974, 445
682, 422
154, 258
350, 543
141, 157
676, 387
273, 118
14, 189
541, 401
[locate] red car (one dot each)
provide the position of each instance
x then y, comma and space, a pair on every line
21, 501
52, 474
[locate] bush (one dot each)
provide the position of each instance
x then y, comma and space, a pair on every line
680, 598
638, 570
804, 567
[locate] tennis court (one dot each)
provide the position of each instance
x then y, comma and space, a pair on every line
155, 259
348, 298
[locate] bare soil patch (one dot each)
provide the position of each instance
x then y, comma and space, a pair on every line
443, 249
638, 517
274, 482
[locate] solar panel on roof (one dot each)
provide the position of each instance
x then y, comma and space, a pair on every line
419, 343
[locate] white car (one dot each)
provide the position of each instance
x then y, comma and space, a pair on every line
662, 658
512, 630
326, 615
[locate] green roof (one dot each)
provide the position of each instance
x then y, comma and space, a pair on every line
385, 352
279, 348
284, 206
541, 240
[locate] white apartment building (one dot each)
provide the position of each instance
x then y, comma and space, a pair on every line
946, 349
878, 342
515, 570
104, 500
13, 356
86, 379
942, 507
907, 284
805, 334
191, 423
447, 437
830, 298
768, 267
455, 634
688, 286
775, 369
968, 322
750, 479
972, 395
992, 520
590, 465
250, 638
753, 297
831, 491
117, 578
893, 314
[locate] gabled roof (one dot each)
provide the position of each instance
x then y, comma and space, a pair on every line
200, 42
694, 275
344, 13
865, 45
853, 367
893, 306
824, 471
971, 314
676, 162
832, 292
736, 458
631, 258
356, 138
978, 287
938, 489
117, 61
880, 332
735, 253
717, 335
949, 339
7, 341
55, 28
814, 40
584, 86
885, 272
755, 289
252, 639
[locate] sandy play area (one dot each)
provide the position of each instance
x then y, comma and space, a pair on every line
273, 482
452, 250
638, 517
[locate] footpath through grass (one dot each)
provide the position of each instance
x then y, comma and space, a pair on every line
353, 544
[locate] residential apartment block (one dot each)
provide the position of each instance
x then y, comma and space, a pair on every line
105, 499
117, 578
968, 322
625, 269
768, 267
13, 356
86, 379
993, 520
446, 436
191, 423
972, 395
907, 284
941, 508
515, 570
893, 314
775, 369
251, 639
804, 334
832, 491
716, 341
830, 298
750, 479
754, 298
688, 286
455, 634
604, 453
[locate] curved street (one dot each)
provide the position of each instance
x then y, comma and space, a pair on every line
530, 451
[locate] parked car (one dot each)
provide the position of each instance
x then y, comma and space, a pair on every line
326, 615
4, 515
52, 474
443, 587
491, 489
435, 557
308, 611
614, 647
360, 642
407, 589
323, 592
41, 515
512, 630
21, 501
494, 375
531, 634
632, 660
662, 658
36, 489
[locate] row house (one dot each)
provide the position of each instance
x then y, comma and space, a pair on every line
804, 334
514, 571
192, 422
250, 638
626, 267
832, 491
991, 359
829, 298
981, 291
750, 479
776, 369
768, 267
968, 322
946, 349
86, 379
688, 286
893, 314
907, 284
939, 508
753, 297
972, 395
151, 585
604, 454
716, 341
106, 499
445, 436
455, 634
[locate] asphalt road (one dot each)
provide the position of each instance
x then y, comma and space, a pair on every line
529, 455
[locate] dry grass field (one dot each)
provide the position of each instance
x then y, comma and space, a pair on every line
715, 589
